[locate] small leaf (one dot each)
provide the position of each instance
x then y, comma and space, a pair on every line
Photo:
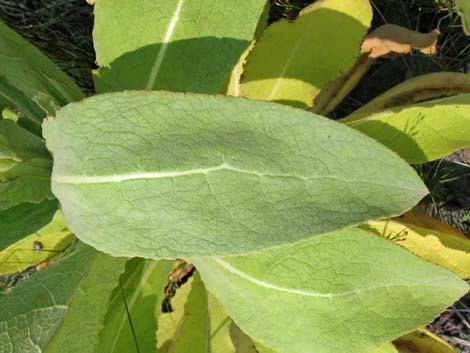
32, 74
421, 132
176, 45
45, 244
24, 219
25, 167
142, 286
447, 250
62, 306
226, 175
422, 341
292, 62
341, 286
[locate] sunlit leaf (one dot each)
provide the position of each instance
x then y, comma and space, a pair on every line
420, 132
227, 175
142, 285
292, 62
353, 290
422, 341
45, 244
24, 219
447, 250
176, 45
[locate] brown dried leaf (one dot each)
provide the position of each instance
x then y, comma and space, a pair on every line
391, 40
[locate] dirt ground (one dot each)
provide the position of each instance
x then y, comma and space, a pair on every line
62, 29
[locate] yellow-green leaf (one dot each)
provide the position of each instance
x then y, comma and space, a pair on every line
420, 132
422, 341
138, 299
386, 348
291, 62
45, 244
447, 250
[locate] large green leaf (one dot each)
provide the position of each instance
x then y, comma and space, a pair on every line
352, 290
292, 62
25, 166
419, 132
25, 71
60, 309
142, 286
24, 219
184, 175
176, 45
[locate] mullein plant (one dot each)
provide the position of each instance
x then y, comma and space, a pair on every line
202, 147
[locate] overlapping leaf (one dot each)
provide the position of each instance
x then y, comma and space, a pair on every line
24, 219
45, 244
29, 81
341, 286
55, 309
25, 167
420, 132
131, 322
176, 45
291, 62
447, 250
226, 176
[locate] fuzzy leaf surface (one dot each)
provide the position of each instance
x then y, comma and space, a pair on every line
341, 286
183, 175
175, 45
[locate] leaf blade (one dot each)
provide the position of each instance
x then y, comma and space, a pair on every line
227, 175
337, 285
192, 47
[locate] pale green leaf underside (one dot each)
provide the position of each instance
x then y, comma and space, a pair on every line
76, 289
143, 285
421, 132
352, 290
31, 73
183, 175
292, 62
176, 45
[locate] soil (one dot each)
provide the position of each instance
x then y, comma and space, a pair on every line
62, 29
